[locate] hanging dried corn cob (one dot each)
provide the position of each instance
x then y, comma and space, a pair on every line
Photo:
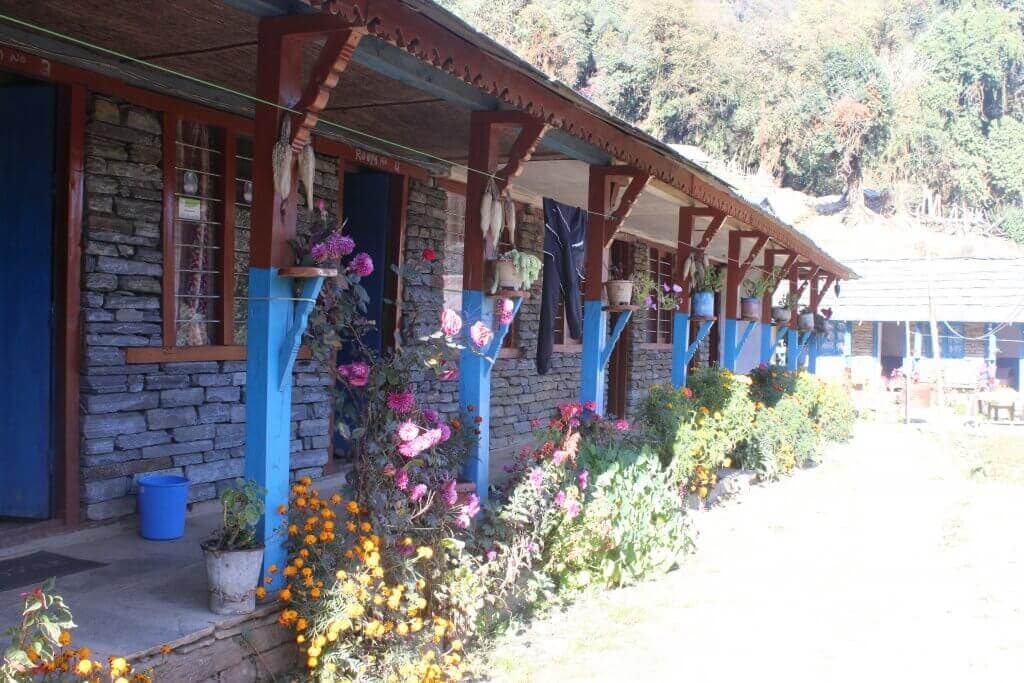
510, 218
307, 166
283, 160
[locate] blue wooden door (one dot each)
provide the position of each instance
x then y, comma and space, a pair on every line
26, 317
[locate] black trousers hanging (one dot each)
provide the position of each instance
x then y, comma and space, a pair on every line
565, 230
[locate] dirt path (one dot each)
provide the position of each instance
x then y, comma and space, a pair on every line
889, 562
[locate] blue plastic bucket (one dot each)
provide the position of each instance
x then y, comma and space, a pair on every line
162, 499
703, 304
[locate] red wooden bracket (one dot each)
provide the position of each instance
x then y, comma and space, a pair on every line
636, 185
711, 231
333, 58
749, 261
820, 294
813, 274
789, 265
522, 149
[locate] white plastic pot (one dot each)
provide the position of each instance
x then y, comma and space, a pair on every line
620, 292
805, 322
232, 576
508, 276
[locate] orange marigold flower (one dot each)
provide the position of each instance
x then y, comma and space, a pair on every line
84, 653
310, 539
285, 594
351, 526
300, 502
293, 530
290, 571
303, 552
64, 638
336, 499
165, 649
281, 509
301, 624
366, 528
268, 580
315, 593
261, 592
352, 507
298, 562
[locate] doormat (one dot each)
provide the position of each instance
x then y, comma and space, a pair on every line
30, 570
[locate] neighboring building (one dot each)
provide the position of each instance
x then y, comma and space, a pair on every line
881, 322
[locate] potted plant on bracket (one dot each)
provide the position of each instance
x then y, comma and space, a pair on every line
750, 305
618, 288
805, 322
783, 312
705, 279
516, 270
233, 554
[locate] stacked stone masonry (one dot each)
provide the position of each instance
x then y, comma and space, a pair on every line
646, 365
172, 418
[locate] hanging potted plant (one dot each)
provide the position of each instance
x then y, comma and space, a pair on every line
233, 554
783, 312
805, 322
618, 288
706, 279
750, 305
516, 270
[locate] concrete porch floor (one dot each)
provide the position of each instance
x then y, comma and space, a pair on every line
150, 593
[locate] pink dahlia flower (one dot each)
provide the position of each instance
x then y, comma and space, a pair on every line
361, 265
407, 431
480, 334
451, 323
401, 402
356, 374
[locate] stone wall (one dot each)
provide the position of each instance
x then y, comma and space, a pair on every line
174, 418
242, 649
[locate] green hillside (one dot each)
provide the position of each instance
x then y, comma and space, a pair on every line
822, 96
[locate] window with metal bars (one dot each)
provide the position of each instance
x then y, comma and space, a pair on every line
659, 322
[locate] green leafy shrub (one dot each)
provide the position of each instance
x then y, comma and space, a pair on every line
769, 383
782, 437
663, 412
633, 523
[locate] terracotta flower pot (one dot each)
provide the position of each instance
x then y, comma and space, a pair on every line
620, 292
750, 308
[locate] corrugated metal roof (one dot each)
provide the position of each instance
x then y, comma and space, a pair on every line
963, 290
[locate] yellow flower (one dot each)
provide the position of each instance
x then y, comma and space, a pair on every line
84, 667
311, 662
118, 666
425, 552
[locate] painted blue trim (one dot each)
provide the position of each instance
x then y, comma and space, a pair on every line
1020, 356
769, 339
680, 336
991, 344
300, 319
702, 333
613, 338
499, 335
792, 349
268, 406
592, 372
475, 391
803, 344
730, 346
813, 347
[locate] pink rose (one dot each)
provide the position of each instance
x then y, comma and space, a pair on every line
480, 334
451, 323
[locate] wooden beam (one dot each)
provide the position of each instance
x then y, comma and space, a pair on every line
597, 205
522, 149
711, 231
733, 280
227, 256
754, 251
766, 300
789, 265
684, 252
813, 274
168, 304
334, 57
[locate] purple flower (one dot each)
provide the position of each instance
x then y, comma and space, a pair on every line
582, 479
361, 265
402, 480
418, 491
449, 494
407, 431
462, 520
665, 287
409, 449
572, 509
506, 311
677, 289
401, 402
472, 507
560, 499
492, 555
430, 415
356, 374
446, 432
433, 437
537, 478
346, 245
333, 248
559, 457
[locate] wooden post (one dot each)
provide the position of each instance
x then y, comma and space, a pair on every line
792, 338
681, 316
595, 319
767, 329
475, 370
733, 282
813, 343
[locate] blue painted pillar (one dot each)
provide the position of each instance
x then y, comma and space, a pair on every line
812, 353
595, 336
792, 349
767, 342
680, 342
475, 391
1020, 356
729, 344
268, 406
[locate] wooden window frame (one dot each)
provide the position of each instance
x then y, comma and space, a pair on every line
655, 254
